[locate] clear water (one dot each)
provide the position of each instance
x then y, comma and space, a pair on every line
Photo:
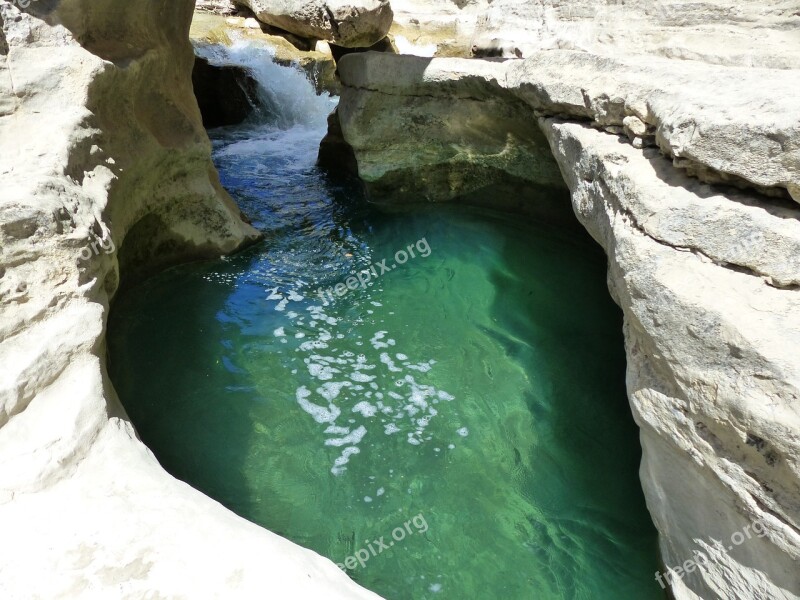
461, 420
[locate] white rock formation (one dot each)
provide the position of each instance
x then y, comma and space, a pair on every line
758, 34
220, 7
713, 373
348, 23
701, 126
707, 274
104, 166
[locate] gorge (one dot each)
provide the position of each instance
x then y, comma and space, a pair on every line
674, 134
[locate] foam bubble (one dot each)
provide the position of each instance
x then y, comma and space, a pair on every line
365, 409
319, 413
331, 390
361, 377
354, 437
340, 462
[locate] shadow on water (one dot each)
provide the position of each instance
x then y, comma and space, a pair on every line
578, 402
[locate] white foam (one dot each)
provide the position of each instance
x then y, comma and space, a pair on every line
387, 360
336, 430
376, 340
319, 413
361, 377
339, 464
365, 409
322, 372
313, 345
353, 438
331, 390
404, 46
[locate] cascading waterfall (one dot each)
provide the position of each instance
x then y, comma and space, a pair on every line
287, 99
469, 397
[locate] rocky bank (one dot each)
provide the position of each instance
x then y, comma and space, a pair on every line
676, 131
673, 126
106, 174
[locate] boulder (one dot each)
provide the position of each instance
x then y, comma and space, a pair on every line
348, 23
219, 7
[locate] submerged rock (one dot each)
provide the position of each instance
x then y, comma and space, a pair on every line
348, 23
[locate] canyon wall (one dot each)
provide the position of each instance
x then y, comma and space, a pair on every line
685, 167
673, 125
105, 174
758, 34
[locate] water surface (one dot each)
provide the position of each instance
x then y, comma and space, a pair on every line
472, 398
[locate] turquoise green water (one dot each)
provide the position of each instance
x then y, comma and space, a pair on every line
460, 424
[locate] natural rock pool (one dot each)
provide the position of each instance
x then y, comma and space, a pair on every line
457, 428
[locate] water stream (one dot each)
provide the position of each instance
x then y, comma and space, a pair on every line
455, 428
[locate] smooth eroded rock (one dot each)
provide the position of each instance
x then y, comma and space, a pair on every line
106, 174
706, 274
349, 23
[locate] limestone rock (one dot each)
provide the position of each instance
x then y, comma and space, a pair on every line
713, 376
219, 7
410, 144
757, 34
753, 34
105, 170
348, 23
706, 275
700, 126
226, 95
